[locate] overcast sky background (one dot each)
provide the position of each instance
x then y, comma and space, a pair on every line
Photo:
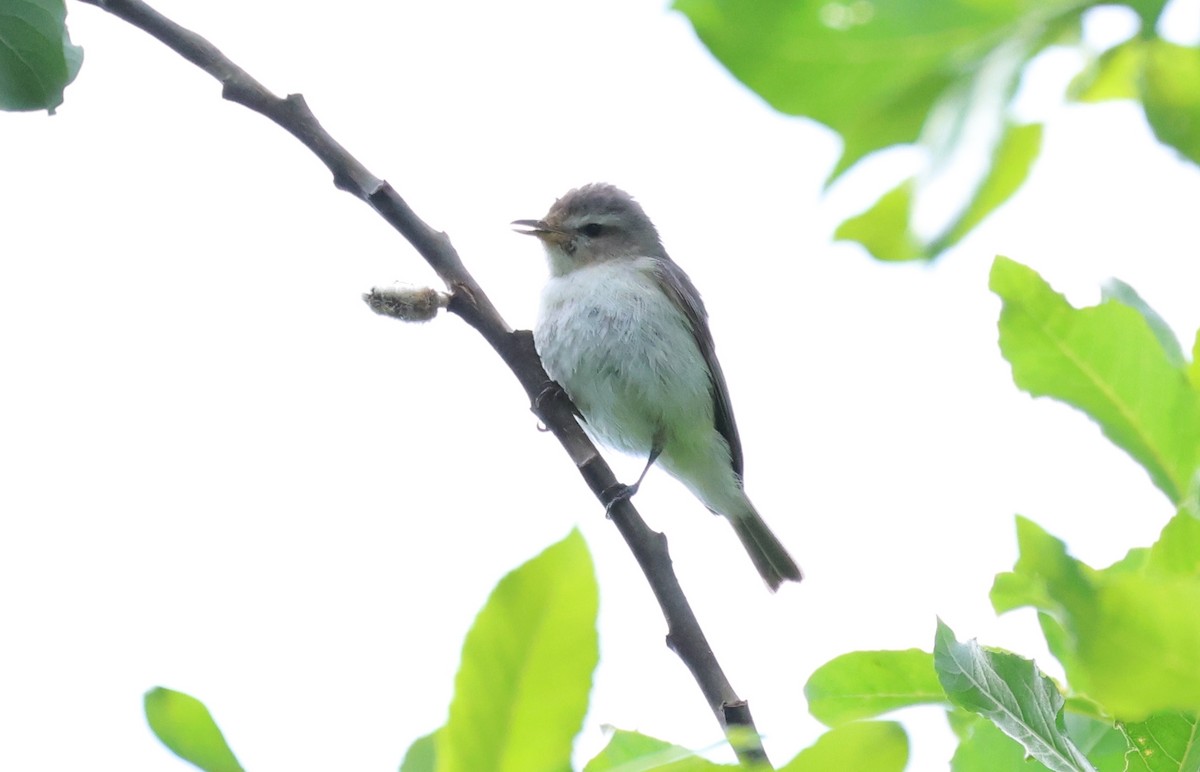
224, 475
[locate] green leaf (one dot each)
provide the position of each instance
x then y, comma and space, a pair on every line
522, 688
1171, 95
1012, 160
185, 726
864, 684
1012, 693
422, 754
1177, 551
635, 752
1106, 361
884, 228
872, 72
987, 749
1127, 639
1115, 74
863, 746
37, 60
1105, 744
1168, 742
1115, 289
1194, 370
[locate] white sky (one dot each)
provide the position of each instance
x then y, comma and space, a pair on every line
223, 474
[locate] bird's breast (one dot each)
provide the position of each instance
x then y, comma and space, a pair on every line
624, 353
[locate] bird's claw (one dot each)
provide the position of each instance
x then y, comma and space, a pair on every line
615, 494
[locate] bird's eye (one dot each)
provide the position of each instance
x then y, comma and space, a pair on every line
592, 230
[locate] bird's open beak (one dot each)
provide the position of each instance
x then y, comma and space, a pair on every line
533, 228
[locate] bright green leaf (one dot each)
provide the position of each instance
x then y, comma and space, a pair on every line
1177, 551
1168, 742
864, 684
1194, 370
1106, 361
1104, 744
870, 71
1115, 289
1012, 693
1127, 639
1012, 159
987, 749
522, 688
884, 228
1171, 95
37, 60
185, 726
863, 746
422, 754
1114, 75
636, 752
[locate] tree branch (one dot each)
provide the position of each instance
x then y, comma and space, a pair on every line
471, 304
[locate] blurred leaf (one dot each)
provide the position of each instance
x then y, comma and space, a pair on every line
1104, 744
883, 230
1115, 289
864, 684
1012, 160
1177, 551
1171, 95
987, 749
1126, 639
37, 60
186, 727
422, 754
1106, 361
863, 746
522, 687
1012, 693
872, 72
1113, 75
1194, 369
1168, 742
636, 752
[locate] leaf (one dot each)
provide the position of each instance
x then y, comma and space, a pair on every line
1114, 75
1171, 95
987, 749
1177, 551
863, 746
884, 230
186, 727
1127, 639
864, 684
1106, 361
1105, 744
522, 687
1168, 742
872, 72
635, 752
422, 754
37, 60
1012, 160
1115, 289
1012, 693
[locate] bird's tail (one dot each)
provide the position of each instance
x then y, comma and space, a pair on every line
770, 557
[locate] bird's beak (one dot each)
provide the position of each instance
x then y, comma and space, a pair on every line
534, 228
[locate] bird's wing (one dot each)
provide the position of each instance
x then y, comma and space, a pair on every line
679, 288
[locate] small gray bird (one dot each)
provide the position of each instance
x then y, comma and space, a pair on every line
623, 330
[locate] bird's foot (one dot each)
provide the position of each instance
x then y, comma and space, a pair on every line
615, 494
550, 391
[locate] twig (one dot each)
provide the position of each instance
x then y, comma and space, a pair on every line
468, 301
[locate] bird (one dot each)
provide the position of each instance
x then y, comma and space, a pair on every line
623, 330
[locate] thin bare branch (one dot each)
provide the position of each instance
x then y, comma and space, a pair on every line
470, 303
